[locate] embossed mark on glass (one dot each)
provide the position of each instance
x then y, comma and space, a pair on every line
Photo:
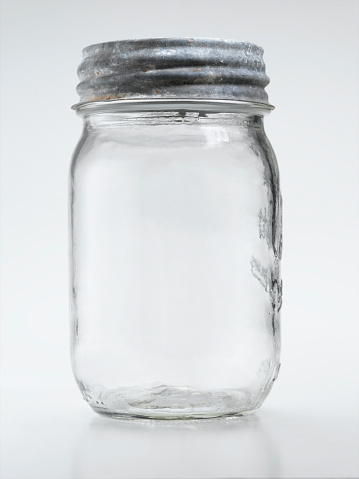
175, 230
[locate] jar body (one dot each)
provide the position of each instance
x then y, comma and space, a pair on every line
175, 250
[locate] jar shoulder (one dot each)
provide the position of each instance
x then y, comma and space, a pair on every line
243, 142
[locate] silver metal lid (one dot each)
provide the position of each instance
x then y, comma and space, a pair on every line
173, 68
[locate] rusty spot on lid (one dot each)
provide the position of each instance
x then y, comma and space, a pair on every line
103, 97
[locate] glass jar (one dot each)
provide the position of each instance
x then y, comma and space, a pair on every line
175, 231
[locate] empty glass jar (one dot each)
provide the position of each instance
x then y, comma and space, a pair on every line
175, 230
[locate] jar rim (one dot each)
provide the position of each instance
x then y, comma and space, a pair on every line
166, 104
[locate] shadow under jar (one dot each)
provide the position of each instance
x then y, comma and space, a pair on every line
175, 232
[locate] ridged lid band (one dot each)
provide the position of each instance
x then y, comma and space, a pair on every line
173, 68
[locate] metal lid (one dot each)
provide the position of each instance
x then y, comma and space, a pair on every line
173, 68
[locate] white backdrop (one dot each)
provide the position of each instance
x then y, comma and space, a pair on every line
311, 52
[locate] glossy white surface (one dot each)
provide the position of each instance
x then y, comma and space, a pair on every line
53, 435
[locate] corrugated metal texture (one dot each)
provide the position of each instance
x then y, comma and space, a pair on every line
173, 68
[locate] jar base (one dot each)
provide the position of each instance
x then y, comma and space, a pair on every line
170, 402
164, 416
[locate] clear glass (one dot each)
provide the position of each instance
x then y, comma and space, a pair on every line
175, 252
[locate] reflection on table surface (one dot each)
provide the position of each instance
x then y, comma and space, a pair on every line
236, 447
57, 437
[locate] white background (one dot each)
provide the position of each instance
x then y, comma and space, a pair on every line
308, 427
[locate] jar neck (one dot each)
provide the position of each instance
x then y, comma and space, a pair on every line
171, 112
